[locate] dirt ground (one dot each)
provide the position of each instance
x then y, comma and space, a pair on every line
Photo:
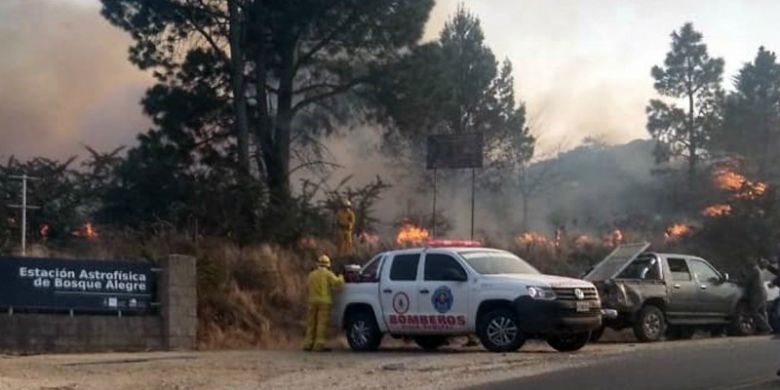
398, 366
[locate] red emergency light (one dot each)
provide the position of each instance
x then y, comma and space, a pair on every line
461, 243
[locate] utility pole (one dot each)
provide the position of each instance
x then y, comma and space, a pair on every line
24, 178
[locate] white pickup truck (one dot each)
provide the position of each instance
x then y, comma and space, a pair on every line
432, 293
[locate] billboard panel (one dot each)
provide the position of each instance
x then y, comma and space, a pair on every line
455, 151
83, 285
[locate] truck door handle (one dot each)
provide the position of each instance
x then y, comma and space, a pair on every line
703, 286
677, 286
387, 291
424, 291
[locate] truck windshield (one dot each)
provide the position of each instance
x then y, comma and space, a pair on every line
494, 263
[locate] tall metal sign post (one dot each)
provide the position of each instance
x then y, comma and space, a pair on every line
455, 151
24, 206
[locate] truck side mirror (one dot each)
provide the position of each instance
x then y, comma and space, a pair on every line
725, 276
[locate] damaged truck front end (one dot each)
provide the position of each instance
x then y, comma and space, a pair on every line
626, 298
626, 286
617, 293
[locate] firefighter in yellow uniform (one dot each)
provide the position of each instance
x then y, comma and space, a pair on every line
345, 218
320, 282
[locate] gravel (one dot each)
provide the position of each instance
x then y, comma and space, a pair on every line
398, 366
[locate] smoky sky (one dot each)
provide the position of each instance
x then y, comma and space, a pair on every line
582, 67
65, 80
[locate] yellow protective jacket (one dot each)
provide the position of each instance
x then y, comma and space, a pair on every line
321, 281
345, 218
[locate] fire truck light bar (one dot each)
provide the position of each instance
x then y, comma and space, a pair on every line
463, 243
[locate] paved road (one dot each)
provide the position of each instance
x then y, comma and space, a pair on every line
742, 364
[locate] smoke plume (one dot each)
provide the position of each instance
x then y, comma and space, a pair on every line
65, 80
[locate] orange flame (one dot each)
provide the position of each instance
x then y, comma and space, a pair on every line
368, 238
583, 240
411, 235
717, 210
677, 231
533, 238
614, 238
45, 230
729, 180
87, 231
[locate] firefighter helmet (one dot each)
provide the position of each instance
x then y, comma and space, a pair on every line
323, 261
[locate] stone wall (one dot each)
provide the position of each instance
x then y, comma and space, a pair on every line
174, 327
179, 299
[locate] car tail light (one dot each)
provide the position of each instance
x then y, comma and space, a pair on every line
463, 243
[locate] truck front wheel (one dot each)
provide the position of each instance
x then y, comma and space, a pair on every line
650, 324
363, 333
569, 342
498, 330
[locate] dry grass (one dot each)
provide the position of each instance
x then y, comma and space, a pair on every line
250, 297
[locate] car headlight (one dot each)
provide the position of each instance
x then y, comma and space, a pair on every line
542, 293
622, 296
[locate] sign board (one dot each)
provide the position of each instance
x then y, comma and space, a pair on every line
455, 151
83, 285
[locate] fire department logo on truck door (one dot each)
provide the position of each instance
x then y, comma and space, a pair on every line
442, 299
401, 303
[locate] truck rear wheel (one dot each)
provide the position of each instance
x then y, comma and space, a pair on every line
650, 324
430, 343
363, 333
499, 331
569, 342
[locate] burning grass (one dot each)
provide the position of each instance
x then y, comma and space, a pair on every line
614, 238
532, 239
727, 178
718, 210
678, 231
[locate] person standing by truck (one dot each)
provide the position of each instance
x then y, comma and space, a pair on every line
320, 283
757, 295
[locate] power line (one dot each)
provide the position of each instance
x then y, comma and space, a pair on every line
24, 207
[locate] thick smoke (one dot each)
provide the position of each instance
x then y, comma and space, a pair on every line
65, 80
590, 186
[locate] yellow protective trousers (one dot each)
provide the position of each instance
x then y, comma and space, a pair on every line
345, 241
317, 326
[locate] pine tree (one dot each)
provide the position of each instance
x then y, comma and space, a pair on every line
691, 77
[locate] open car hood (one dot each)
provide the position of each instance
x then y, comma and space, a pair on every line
616, 261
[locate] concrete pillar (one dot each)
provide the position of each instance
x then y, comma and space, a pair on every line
179, 302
